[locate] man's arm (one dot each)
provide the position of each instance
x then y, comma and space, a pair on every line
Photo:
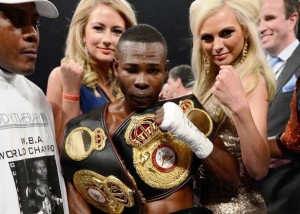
222, 165
77, 205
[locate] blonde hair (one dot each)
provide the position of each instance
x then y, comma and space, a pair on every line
253, 64
75, 47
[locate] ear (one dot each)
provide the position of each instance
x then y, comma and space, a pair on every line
178, 82
293, 21
246, 32
115, 67
167, 67
84, 40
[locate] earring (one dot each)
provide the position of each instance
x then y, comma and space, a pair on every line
244, 52
206, 64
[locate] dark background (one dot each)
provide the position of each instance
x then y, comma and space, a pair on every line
170, 17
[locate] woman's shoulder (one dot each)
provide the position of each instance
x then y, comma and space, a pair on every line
55, 74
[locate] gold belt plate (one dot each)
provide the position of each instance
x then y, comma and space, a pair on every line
108, 194
161, 161
82, 141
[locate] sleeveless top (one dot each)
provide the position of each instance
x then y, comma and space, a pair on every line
88, 100
246, 199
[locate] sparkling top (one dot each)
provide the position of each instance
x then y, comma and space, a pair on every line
246, 199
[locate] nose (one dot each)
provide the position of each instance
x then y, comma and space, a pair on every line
218, 45
44, 169
261, 26
31, 33
141, 81
107, 38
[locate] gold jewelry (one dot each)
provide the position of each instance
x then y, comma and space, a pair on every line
206, 64
244, 52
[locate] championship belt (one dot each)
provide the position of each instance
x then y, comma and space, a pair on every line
160, 163
291, 136
90, 162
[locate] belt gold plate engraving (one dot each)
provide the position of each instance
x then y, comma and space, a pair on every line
82, 141
108, 194
162, 161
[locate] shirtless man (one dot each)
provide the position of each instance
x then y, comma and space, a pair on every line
141, 153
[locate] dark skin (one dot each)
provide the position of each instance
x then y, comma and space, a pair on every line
142, 69
19, 37
278, 150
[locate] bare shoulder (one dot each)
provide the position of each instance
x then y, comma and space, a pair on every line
260, 90
55, 74
54, 86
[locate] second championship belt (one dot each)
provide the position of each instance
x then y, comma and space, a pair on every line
159, 162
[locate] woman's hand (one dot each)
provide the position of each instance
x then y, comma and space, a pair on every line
228, 88
71, 74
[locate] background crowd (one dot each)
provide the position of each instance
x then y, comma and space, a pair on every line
125, 106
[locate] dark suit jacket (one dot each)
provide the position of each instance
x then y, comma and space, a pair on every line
279, 108
281, 187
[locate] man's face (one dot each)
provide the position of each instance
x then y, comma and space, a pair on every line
19, 37
40, 169
276, 31
141, 69
173, 84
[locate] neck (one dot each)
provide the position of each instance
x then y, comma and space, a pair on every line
103, 73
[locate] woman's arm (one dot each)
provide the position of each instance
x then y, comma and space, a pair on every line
65, 79
250, 117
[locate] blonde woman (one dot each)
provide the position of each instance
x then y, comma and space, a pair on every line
235, 85
84, 80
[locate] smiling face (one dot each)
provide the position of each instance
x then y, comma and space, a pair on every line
102, 33
141, 69
222, 37
19, 37
276, 31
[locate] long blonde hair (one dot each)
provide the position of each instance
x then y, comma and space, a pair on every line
75, 47
253, 64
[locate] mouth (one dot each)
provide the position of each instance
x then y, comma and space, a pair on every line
141, 98
265, 36
30, 53
106, 50
220, 57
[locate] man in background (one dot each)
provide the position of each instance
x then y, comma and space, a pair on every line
180, 82
278, 29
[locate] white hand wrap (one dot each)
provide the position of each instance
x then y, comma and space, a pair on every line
183, 129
